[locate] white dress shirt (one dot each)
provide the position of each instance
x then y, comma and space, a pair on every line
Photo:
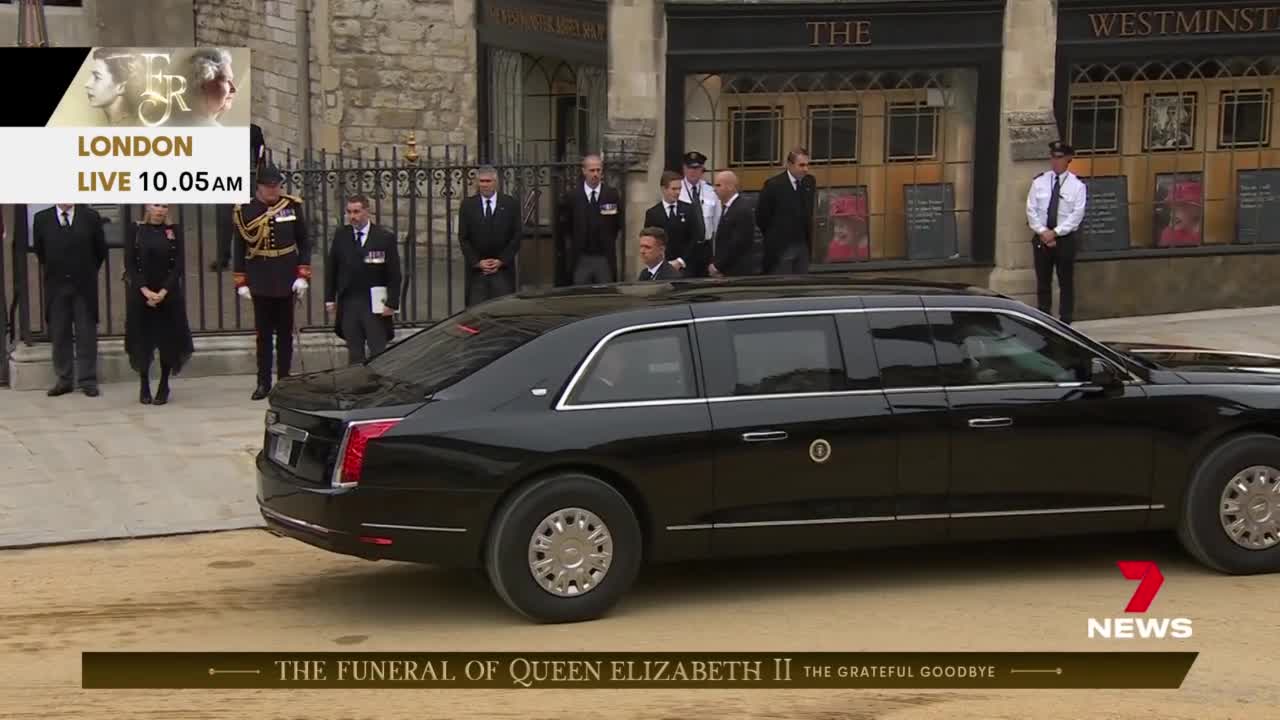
1072, 196
71, 215
711, 211
588, 190
362, 234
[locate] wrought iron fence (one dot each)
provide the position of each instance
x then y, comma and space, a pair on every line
418, 200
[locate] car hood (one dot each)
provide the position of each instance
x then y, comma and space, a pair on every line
349, 388
1201, 364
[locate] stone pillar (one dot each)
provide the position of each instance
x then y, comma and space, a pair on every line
637, 50
1027, 126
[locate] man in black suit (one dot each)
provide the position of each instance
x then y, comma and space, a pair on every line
71, 246
784, 214
363, 258
592, 217
735, 239
686, 243
653, 255
489, 229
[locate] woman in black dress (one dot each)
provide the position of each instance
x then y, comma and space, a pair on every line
156, 318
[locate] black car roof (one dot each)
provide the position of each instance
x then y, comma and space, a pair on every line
594, 300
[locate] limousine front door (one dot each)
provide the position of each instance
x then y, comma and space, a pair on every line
803, 457
1037, 448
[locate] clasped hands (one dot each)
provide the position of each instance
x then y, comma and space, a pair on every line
154, 298
489, 266
386, 311
1049, 237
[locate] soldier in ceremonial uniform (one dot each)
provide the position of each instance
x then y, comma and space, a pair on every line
272, 259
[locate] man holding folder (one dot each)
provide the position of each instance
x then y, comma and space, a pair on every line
362, 282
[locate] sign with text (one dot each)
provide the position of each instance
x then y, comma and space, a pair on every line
127, 125
1106, 213
574, 21
634, 670
931, 221
1258, 206
1127, 23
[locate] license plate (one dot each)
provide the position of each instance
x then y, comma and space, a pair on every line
282, 451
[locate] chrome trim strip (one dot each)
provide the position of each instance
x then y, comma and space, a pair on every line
425, 528
1054, 511
1205, 352
941, 516
295, 521
292, 433
904, 391
792, 396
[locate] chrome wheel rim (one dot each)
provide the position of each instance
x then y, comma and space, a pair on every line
570, 552
1250, 508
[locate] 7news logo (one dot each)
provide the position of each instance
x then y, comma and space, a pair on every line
1149, 580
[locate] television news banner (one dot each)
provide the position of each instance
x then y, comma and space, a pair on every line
82, 133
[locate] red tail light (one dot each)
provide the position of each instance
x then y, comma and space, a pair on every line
351, 461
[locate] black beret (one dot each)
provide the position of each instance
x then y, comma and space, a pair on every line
270, 175
694, 159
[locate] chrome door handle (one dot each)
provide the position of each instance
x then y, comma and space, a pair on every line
764, 436
990, 422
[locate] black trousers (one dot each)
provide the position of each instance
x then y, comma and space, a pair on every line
1062, 259
73, 333
360, 327
483, 287
273, 320
793, 260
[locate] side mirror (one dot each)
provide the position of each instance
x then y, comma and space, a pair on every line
1103, 374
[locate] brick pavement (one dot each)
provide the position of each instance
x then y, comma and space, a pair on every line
75, 468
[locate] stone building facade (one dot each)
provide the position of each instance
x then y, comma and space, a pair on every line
374, 70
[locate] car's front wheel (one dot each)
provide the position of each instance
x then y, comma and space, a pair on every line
564, 548
1231, 516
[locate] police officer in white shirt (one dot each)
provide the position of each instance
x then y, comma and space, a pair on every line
696, 191
1055, 208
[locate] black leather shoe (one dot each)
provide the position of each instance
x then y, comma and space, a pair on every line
260, 393
162, 395
144, 396
91, 391
57, 390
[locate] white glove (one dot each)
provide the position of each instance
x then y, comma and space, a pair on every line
244, 292
300, 286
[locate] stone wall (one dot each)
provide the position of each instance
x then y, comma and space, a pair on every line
401, 65
269, 29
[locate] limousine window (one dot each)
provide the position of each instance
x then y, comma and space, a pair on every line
637, 366
453, 349
986, 348
903, 345
798, 354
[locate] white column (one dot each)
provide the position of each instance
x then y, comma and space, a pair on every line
1027, 126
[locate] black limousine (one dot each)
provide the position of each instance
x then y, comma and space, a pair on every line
559, 440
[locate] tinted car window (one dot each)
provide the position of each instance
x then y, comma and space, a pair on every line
642, 365
986, 348
449, 351
903, 344
798, 354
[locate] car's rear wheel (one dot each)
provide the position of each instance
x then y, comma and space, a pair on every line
564, 548
1231, 515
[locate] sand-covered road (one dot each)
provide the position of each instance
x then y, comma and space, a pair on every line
252, 591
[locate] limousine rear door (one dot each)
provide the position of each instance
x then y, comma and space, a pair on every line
803, 458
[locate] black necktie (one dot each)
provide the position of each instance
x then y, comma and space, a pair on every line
671, 212
66, 219
488, 210
693, 193
593, 198
1052, 220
